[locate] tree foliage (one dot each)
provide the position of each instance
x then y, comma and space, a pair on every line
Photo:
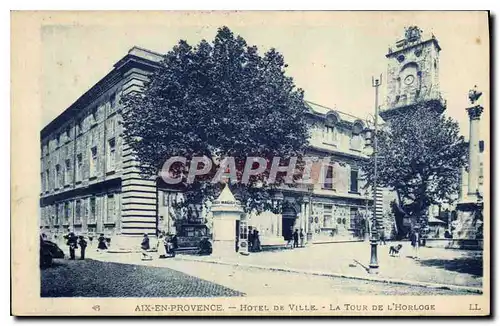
217, 99
420, 154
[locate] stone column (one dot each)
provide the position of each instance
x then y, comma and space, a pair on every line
465, 226
226, 211
463, 184
473, 178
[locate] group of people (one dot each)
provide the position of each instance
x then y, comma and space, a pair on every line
166, 245
75, 242
298, 239
253, 240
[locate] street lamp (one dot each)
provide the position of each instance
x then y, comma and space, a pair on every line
373, 267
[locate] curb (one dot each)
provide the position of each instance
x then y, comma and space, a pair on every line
336, 241
428, 285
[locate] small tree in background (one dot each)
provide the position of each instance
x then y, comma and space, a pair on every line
217, 100
420, 154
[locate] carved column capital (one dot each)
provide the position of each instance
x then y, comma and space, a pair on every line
475, 112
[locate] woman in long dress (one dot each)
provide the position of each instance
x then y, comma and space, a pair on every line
162, 251
102, 242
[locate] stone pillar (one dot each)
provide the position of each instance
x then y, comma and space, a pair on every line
303, 216
226, 210
463, 184
469, 210
474, 162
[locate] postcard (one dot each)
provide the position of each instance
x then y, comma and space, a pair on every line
245, 163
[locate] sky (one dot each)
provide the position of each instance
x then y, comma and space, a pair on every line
332, 56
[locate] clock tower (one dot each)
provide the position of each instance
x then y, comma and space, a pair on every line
413, 74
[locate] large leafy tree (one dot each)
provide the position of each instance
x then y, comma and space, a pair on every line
217, 99
420, 154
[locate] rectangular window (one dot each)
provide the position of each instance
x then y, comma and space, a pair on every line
67, 172
78, 211
111, 154
112, 102
354, 181
93, 161
93, 210
330, 135
58, 176
66, 213
328, 181
56, 217
327, 216
111, 208
356, 142
47, 180
79, 167
354, 218
85, 208
166, 199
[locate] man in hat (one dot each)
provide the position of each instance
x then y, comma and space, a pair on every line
72, 240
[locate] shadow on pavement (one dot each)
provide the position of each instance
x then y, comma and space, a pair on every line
470, 265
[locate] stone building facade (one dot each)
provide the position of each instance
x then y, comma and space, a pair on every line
91, 182
339, 208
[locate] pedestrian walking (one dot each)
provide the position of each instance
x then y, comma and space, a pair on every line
250, 239
296, 238
256, 241
72, 243
415, 243
145, 247
161, 246
83, 245
301, 235
101, 243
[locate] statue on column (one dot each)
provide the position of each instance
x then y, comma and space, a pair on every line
474, 95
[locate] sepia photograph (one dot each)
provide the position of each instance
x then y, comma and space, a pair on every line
251, 163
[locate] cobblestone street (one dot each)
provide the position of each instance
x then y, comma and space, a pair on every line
92, 278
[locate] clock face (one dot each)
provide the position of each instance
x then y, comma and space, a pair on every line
409, 79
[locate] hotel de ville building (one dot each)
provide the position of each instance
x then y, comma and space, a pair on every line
91, 182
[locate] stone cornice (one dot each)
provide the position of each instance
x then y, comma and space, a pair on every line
411, 46
111, 79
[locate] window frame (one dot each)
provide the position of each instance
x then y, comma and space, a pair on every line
111, 198
78, 211
328, 168
111, 155
93, 162
354, 170
79, 167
